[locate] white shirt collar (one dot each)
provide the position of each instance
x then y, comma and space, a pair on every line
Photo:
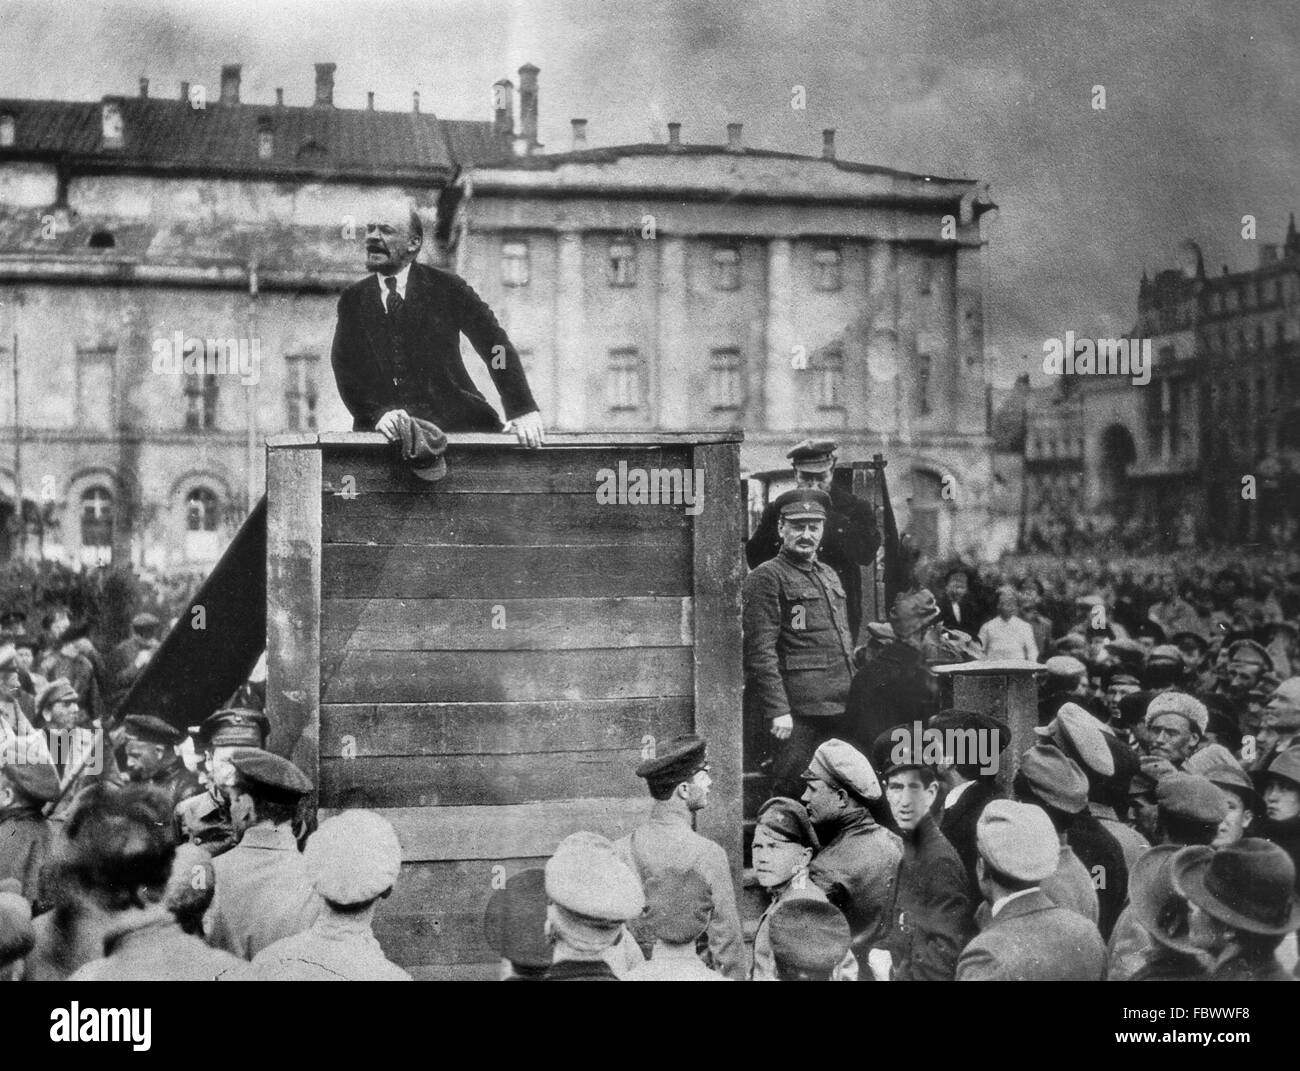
401, 278
1002, 902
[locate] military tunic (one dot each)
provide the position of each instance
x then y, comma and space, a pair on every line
337, 948
764, 969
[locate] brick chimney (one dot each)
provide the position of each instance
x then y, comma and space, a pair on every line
230, 83
279, 96
112, 130
528, 105
415, 99
734, 142
370, 100
325, 84
503, 107
674, 135
579, 133
828, 143
144, 88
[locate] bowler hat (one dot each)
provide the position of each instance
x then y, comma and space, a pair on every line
1157, 906
1249, 885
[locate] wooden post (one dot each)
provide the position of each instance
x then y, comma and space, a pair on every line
868, 482
1005, 690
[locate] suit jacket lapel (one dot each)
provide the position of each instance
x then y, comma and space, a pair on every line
376, 328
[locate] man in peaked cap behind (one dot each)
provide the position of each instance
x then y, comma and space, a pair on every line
205, 819
809, 940
798, 650
857, 867
678, 779
152, 758
1028, 937
678, 906
592, 895
264, 889
514, 926
1248, 663
354, 859
851, 538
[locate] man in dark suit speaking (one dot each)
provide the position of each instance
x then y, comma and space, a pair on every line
397, 342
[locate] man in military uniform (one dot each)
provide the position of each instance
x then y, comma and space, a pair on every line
850, 539
205, 819
151, 757
858, 863
593, 895
678, 779
810, 939
798, 651
264, 890
1248, 665
355, 858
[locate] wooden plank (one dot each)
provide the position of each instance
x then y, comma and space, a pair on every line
435, 912
505, 676
478, 780
503, 471
293, 571
369, 730
719, 678
473, 519
502, 572
503, 624
514, 831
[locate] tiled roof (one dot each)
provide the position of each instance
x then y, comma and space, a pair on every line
170, 135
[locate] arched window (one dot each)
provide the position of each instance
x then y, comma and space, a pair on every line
96, 525
202, 521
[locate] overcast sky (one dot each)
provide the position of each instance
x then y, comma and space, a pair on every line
1201, 123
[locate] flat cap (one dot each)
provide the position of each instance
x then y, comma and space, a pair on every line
58, 690
1130, 652
1192, 798
675, 761
514, 923
679, 904
151, 730
586, 876
808, 935
1055, 779
1071, 641
1119, 673
353, 857
235, 727
1079, 735
1250, 651
274, 777
788, 820
1018, 840
144, 621
895, 749
803, 503
1181, 703
8, 658
1285, 764
1065, 667
813, 455
1165, 652
1151, 630
962, 721
26, 766
843, 766
1207, 757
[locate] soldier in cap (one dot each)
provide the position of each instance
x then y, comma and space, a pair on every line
354, 859
851, 538
858, 863
798, 649
783, 847
152, 758
933, 915
1279, 786
1248, 663
264, 889
592, 895
809, 940
28, 782
68, 659
1028, 938
678, 906
1243, 905
26, 644
514, 926
80, 755
1164, 669
1280, 725
125, 661
204, 819
678, 779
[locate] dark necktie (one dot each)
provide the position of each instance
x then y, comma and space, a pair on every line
393, 302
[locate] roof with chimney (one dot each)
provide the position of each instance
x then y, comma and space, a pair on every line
172, 136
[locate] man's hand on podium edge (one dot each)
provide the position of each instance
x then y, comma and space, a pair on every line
386, 425
528, 429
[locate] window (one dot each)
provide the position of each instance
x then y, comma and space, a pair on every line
514, 262
726, 380
200, 402
827, 268
923, 384
265, 139
1260, 341
726, 268
7, 131
101, 240
829, 367
624, 380
1268, 290
202, 521
927, 276
95, 388
96, 525
300, 391
622, 264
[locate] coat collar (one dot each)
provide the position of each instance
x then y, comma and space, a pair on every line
1031, 903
